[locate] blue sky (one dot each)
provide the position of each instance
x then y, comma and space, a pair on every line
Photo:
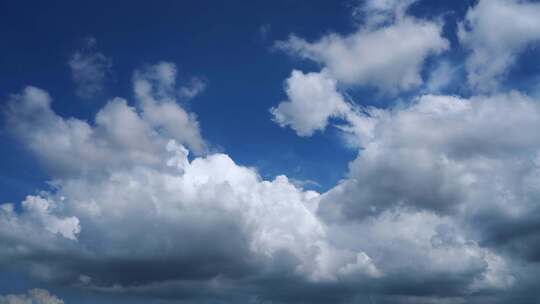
224, 44
407, 116
219, 42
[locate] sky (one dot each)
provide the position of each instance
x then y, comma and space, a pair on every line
355, 151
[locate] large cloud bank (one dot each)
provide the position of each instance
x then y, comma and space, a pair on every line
441, 204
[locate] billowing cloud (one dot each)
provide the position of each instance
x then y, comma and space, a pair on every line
439, 153
155, 90
206, 227
466, 167
496, 32
365, 58
313, 100
175, 220
89, 70
436, 183
34, 296
121, 134
440, 204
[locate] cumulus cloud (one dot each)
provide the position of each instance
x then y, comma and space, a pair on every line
175, 220
439, 205
120, 134
438, 180
155, 90
467, 168
89, 70
34, 296
460, 170
313, 100
496, 32
440, 152
364, 57
206, 227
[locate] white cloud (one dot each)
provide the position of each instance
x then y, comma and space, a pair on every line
120, 136
38, 210
375, 13
209, 211
428, 176
439, 153
34, 296
195, 87
313, 100
496, 32
402, 201
426, 200
89, 70
128, 197
461, 170
155, 91
421, 246
365, 58
440, 77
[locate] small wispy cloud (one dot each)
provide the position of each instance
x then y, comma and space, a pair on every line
192, 88
264, 30
90, 69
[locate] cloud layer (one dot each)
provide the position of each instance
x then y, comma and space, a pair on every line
440, 204
34, 296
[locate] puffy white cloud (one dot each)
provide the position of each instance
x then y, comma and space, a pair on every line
89, 70
130, 212
37, 210
439, 153
365, 58
211, 212
34, 296
439, 206
134, 211
437, 183
361, 58
460, 170
120, 135
313, 100
496, 32
144, 227
155, 90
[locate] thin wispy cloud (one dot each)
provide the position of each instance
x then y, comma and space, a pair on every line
90, 70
